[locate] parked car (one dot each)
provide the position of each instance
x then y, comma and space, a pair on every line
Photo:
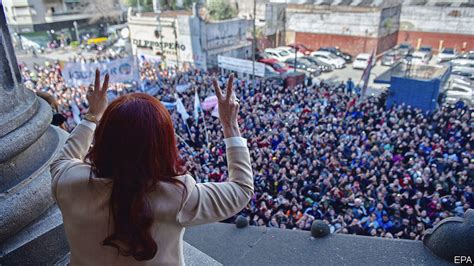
290, 50
390, 57
275, 64
419, 58
362, 61
329, 58
462, 81
447, 54
270, 72
427, 50
457, 92
335, 50
462, 74
279, 55
468, 55
462, 62
304, 66
261, 55
301, 48
405, 49
465, 69
322, 66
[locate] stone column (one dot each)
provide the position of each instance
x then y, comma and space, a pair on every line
27, 144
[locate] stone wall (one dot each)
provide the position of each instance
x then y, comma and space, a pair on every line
451, 25
452, 20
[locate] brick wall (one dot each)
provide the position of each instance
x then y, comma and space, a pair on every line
433, 39
387, 42
351, 44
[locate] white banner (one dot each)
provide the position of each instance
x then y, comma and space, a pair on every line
119, 70
240, 65
182, 87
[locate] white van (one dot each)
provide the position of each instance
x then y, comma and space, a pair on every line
420, 58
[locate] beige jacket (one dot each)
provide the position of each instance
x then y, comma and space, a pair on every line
84, 204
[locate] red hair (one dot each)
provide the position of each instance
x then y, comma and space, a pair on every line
135, 146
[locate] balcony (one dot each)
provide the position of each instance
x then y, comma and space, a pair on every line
219, 243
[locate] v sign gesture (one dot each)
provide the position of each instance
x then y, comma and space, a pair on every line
97, 96
228, 106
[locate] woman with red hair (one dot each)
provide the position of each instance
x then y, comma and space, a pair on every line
128, 199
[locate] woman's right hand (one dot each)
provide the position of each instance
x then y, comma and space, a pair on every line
228, 106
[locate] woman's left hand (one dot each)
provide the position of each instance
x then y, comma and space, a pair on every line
97, 96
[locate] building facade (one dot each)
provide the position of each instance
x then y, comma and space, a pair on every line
31, 18
184, 39
438, 25
361, 26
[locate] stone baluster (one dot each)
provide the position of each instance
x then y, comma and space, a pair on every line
27, 144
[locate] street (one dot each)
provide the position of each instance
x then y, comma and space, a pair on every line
344, 74
336, 76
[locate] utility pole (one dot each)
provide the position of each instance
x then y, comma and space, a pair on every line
254, 42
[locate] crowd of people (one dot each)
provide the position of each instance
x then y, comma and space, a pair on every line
317, 151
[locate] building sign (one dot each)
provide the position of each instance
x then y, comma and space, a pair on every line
119, 70
158, 44
240, 65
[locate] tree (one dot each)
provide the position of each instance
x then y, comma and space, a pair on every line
221, 10
147, 5
107, 10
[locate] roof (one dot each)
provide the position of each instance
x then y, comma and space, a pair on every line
440, 3
420, 72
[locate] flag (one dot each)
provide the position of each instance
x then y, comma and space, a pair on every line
75, 112
169, 105
180, 108
197, 106
182, 87
366, 76
209, 103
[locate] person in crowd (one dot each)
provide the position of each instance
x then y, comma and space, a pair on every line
129, 198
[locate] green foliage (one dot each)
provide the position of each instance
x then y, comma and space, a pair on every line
221, 10
147, 5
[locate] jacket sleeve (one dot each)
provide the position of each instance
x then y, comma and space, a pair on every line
72, 153
212, 202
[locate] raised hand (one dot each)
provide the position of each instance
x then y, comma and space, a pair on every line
97, 96
228, 106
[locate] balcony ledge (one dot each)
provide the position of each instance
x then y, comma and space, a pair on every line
264, 246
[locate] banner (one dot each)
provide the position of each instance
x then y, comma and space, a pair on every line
240, 65
119, 70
